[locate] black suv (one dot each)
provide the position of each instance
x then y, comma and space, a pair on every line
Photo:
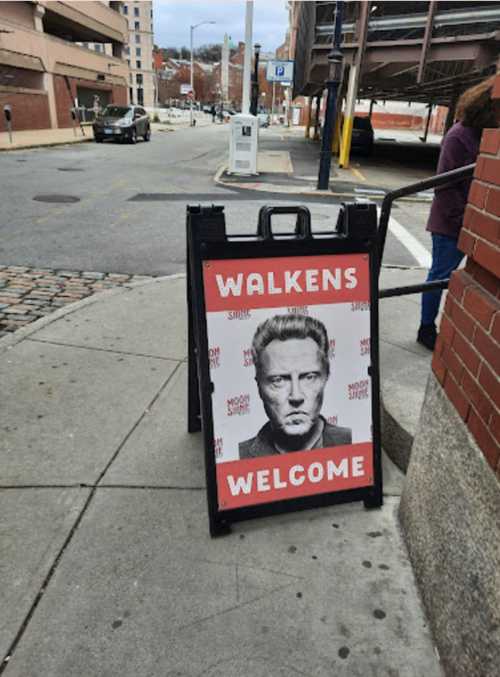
125, 123
362, 136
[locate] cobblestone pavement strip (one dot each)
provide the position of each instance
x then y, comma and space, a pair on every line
26, 294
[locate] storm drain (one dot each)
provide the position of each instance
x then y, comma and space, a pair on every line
57, 199
70, 169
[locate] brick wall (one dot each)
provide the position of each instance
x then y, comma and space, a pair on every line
29, 110
466, 360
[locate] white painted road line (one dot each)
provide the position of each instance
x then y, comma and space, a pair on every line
416, 249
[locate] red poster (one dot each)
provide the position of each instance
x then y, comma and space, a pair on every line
289, 350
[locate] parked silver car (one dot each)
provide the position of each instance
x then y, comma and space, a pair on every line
124, 123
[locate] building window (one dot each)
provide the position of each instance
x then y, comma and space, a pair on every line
138, 51
137, 37
140, 96
128, 61
137, 26
151, 13
98, 48
131, 94
138, 65
125, 9
131, 78
127, 50
136, 11
138, 78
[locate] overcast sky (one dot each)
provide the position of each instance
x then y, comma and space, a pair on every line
172, 19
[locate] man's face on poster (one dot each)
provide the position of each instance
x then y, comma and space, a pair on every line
291, 381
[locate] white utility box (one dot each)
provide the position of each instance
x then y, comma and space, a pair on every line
244, 144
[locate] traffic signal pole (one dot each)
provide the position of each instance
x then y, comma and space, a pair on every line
335, 70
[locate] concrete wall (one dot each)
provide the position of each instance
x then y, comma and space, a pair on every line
19, 12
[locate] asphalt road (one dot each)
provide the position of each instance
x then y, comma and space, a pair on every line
129, 210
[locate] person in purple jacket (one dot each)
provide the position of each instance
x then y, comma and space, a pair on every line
475, 111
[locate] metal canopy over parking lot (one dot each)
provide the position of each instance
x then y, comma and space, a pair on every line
418, 51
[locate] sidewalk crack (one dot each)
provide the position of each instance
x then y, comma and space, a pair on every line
102, 350
137, 423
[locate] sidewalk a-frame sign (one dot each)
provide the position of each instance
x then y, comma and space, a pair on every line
283, 362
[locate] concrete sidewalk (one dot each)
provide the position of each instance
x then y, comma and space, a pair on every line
288, 163
108, 565
34, 138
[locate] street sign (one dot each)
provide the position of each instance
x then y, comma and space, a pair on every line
283, 363
186, 89
279, 71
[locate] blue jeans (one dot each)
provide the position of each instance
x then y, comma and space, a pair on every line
446, 258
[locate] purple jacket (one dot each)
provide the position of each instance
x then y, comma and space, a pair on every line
459, 148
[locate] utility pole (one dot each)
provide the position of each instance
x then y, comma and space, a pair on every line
224, 73
334, 76
247, 62
272, 103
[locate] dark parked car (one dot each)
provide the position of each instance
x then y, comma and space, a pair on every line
125, 123
362, 136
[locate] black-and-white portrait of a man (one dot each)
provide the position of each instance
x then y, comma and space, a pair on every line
292, 367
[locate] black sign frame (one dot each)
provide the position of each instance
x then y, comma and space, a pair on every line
356, 232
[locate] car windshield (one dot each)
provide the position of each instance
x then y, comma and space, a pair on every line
117, 111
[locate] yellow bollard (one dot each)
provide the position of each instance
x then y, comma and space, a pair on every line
345, 150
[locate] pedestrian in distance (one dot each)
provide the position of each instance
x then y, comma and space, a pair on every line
213, 113
475, 111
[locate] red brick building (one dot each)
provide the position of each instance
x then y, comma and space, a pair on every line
44, 73
467, 356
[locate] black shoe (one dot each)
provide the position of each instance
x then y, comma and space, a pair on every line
427, 335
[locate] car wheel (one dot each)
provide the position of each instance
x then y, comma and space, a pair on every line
147, 135
133, 135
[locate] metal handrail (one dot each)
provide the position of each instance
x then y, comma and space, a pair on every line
444, 179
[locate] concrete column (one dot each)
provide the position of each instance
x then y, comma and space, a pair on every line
316, 122
38, 15
48, 84
308, 116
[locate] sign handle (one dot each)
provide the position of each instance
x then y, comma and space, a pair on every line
302, 227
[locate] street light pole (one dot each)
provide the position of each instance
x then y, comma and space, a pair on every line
192, 76
191, 79
334, 76
255, 83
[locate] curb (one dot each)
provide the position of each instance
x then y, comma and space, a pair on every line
396, 440
47, 145
9, 341
290, 190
